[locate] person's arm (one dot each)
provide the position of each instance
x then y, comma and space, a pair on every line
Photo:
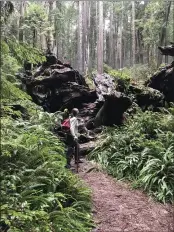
73, 127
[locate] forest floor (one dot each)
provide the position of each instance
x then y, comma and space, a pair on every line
119, 208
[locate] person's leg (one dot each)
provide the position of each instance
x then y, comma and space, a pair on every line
76, 155
69, 156
76, 146
69, 143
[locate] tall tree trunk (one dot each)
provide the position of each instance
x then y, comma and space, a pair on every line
107, 48
104, 43
100, 40
50, 32
130, 47
58, 34
88, 11
121, 39
96, 33
42, 39
84, 35
163, 30
133, 33
148, 54
93, 36
116, 22
21, 21
173, 20
76, 47
140, 45
111, 48
34, 37
79, 52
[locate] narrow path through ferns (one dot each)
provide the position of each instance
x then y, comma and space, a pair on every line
142, 151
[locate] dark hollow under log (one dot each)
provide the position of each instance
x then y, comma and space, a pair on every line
71, 95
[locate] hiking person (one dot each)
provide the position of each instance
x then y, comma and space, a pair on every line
72, 138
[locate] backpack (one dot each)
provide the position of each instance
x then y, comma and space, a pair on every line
66, 125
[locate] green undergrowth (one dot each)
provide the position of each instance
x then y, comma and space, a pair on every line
139, 73
141, 151
13, 56
37, 192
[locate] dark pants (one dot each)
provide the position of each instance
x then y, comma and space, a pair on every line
73, 147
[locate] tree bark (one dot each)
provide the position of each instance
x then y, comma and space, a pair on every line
121, 39
58, 34
116, 41
21, 20
91, 36
50, 32
107, 48
88, 13
140, 45
163, 31
34, 37
104, 43
111, 48
100, 40
133, 33
84, 35
79, 52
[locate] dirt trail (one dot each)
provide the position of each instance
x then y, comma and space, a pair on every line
118, 208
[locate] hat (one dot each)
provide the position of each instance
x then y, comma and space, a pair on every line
65, 110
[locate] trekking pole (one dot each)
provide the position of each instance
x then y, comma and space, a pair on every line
77, 156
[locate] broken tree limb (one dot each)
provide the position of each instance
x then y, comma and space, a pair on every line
167, 50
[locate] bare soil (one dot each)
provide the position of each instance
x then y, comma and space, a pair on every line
119, 208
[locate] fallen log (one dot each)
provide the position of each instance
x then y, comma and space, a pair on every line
60, 87
163, 81
111, 113
56, 86
86, 148
51, 61
115, 103
146, 97
71, 95
105, 85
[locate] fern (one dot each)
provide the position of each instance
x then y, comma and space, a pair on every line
141, 151
37, 192
41, 183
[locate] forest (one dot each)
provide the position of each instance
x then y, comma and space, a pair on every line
114, 61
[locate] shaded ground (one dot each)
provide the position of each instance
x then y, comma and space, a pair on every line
118, 208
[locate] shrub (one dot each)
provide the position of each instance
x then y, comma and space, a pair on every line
37, 192
139, 73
